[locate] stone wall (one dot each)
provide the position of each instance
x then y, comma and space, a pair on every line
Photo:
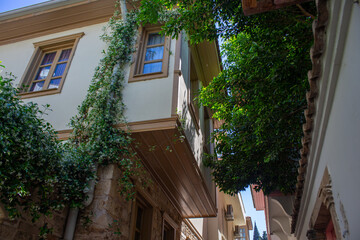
107, 217
22, 228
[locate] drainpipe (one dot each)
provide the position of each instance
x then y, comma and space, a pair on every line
73, 212
123, 9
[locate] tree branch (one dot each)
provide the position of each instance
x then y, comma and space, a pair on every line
306, 13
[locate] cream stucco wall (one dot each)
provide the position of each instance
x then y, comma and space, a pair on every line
16, 56
145, 100
195, 137
337, 129
217, 228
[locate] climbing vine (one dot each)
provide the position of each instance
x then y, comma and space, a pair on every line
95, 134
38, 173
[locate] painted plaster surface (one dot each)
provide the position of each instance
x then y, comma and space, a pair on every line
145, 100
340, 147
86, 58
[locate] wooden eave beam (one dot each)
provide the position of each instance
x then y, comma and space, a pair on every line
251, 7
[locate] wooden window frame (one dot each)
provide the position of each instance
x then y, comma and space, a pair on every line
169, 224
194, 109
139, 57
146, 224
41, 48
242, 230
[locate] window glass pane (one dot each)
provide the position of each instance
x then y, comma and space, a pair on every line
139, 218
152, 67
137, 236
37, 86
54, 83
155, 38
154, 53
43, 72
65, 54
48, 58
59, 70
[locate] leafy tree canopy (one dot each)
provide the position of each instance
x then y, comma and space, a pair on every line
37, 172
261, 91
264, 236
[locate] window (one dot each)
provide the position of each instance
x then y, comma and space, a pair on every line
142, 218
48, 67
152, 58
207, 130
242, 234
239, 233
169, 232
169, 228
193, 90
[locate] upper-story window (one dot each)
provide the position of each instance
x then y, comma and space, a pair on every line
48, 66
193, 92
154, 53
152, 56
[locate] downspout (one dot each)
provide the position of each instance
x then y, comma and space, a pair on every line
74, 212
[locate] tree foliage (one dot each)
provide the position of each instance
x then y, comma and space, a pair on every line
264, 236
260, 94
37, 173
256, 235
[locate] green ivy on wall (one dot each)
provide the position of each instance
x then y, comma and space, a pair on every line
94, 133
38, 173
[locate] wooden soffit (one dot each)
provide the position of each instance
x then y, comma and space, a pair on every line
52, 17
207, 61
251, 7
170, 159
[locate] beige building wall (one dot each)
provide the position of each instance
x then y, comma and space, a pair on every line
336, 135
145, 100
218, 228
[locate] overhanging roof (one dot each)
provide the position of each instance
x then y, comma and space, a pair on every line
251, 7
53, 16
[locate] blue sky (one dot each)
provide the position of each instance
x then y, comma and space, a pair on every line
7, 5
256, 216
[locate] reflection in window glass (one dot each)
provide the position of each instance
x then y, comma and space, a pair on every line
65, 54
59, 70
37, 86
154, 53
48, 58
43, 72
242, 234
54, 83
155, 38
152, 67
